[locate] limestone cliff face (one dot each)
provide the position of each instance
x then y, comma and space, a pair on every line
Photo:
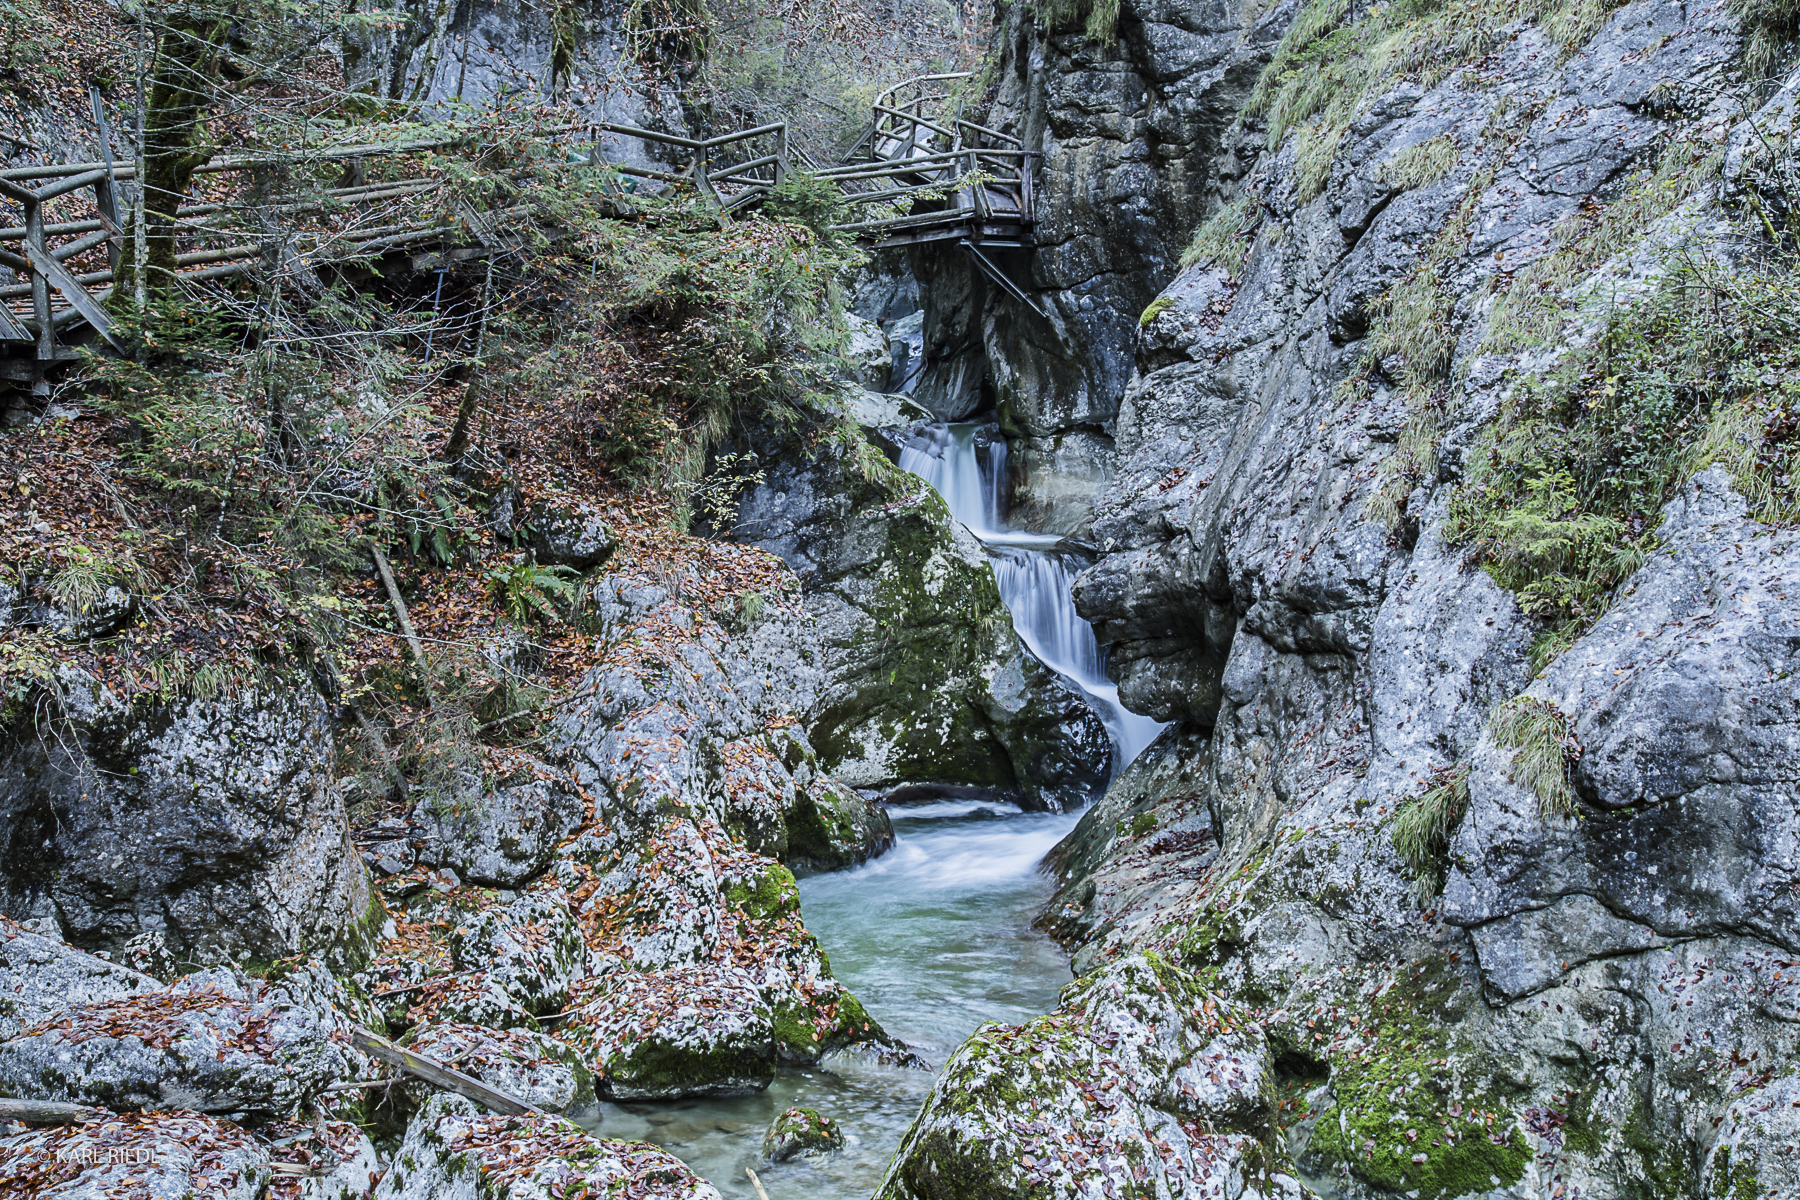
1130, 135
1588, 987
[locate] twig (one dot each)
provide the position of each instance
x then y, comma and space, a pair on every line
413, 987
406, 625
756, 1183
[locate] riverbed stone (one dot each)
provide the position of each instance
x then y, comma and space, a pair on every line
801, 1131
1138, 1082
452, 1151
672, 1034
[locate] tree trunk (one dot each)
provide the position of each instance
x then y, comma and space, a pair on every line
184, 74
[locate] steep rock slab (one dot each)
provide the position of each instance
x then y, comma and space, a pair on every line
1676, 725
453, 1153
207, 1043
197, 831
1139, 1084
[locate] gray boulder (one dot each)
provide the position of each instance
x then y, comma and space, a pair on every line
449, 1146
139, 1154
209, 1042
689, 1032
499, 835
211, 827
537, 1069
1139, 1083
831, 827
804, 1131
40, 976
531, 948
568, 534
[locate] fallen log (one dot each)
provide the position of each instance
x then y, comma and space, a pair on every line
46, 1112
438, 1075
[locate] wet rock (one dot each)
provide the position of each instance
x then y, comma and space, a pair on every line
142, 1154
570, 535
687, 1032
1137, 1063
537, 1069
226, 838
209, 1042
449, 1145
832, 827
801, 1131
40, 976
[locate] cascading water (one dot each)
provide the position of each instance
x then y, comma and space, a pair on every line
1034, 581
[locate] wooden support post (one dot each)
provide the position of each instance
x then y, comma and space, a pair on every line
40, 292
703, 173
781, 155
106, 191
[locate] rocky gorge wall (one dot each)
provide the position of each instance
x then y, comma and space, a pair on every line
1506, 890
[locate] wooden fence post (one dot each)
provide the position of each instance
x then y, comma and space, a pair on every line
40, 294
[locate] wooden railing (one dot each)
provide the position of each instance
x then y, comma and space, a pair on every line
937, 176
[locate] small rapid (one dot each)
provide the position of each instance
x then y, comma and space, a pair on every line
935, 938
1034, 579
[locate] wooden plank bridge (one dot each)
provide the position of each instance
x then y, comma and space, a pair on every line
917, 175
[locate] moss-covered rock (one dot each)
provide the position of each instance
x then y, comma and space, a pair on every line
832, 827
1139, 1084
801, 1131
689, 1032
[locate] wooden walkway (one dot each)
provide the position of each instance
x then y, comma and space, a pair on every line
917, 175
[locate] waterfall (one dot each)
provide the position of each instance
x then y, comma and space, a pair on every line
1034, 580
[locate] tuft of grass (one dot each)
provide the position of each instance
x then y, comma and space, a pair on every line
1422, 164
1538, 732
1425, 824
1224, 240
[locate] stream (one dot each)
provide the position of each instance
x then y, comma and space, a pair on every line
935, 937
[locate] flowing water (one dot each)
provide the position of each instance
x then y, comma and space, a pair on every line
1034, 579
935, 936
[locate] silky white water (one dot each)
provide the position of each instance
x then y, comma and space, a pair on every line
1034, 582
